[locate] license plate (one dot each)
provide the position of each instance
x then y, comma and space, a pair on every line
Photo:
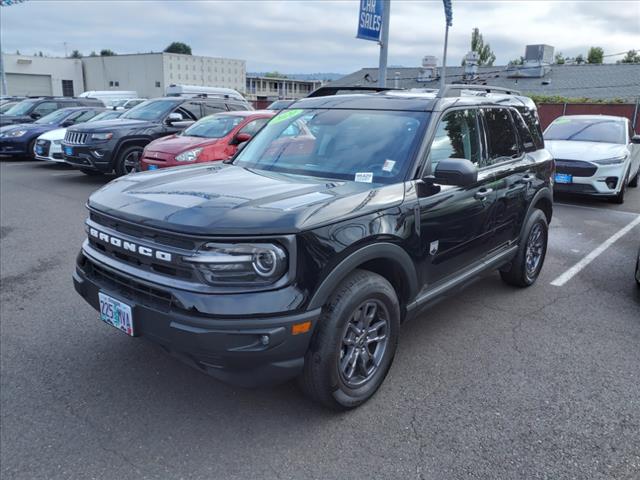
153, 167
116, 313
39, 150
68, 151
564, 178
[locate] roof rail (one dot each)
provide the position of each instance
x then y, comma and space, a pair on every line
328, 91
455, 90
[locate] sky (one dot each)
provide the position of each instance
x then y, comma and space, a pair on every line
316, 35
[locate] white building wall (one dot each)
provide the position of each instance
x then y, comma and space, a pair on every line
57, 69
142, 73
205, 71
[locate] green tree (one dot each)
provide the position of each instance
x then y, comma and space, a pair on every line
275, 74
559, 58
517, 61
485, 54
178, 47
632, 56
579, 59
93, 53
595, 55
105, 52
76, 54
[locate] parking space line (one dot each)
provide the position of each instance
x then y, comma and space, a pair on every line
595, 209
63, 173
569, 274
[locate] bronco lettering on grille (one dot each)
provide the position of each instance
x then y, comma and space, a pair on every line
129, 246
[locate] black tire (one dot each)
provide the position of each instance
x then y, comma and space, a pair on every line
519, 273
323, 379
91, 173
125, 159
634, 181
31, 155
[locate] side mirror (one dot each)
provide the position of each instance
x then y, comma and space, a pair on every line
174, 117
67, 123
35, 115
635, 139
456, 171
241, 138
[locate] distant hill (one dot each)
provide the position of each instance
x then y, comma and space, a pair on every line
305, 76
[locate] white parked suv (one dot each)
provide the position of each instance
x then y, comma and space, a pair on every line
48, 146
594, 154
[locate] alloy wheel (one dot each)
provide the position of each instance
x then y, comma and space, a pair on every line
535, 250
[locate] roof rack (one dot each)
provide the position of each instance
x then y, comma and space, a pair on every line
455, 90
331, 90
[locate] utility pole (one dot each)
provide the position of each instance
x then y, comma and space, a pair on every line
449, 20
3, 85
384, 43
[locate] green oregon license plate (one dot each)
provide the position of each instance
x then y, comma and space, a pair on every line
116, 313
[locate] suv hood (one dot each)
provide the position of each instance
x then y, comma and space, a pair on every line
217, 199
110, 125
179, 143
586, 151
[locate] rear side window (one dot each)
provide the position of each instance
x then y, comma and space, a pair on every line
502, 141
193, 110
84, 116
526, 139
456, 137
45, 108
530, 117
214, 107
235, 107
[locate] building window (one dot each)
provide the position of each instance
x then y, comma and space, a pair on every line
111, 83
114, 84
67, 88
157, 84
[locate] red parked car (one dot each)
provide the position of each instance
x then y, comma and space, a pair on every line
212, 138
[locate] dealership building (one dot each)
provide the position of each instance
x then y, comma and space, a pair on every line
31, 76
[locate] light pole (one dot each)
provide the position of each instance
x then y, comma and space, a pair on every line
384, 43
449, 19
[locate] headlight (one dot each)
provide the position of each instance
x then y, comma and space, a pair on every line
101, 136
610, 161
14, 133
241, 263
189, 155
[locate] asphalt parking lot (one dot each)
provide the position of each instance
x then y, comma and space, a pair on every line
496, 383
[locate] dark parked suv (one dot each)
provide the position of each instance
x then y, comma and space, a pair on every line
31, 109
117, 145
299, 260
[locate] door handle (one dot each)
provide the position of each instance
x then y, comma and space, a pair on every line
483, 193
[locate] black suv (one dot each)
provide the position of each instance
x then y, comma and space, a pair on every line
117, 145
303, 256
31, 109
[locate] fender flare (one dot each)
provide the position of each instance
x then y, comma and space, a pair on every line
373, 251
545, 193
124, 144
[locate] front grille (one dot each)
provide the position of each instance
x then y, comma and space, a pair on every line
57, 156
578, 188
44, 145
76, 138
127, 287
577, 168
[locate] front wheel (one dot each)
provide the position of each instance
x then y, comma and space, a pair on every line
354, 342
129, 160
524, 269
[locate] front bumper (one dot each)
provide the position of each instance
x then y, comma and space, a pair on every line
606, 180
248, 352
14, 148
49, 152
90, 157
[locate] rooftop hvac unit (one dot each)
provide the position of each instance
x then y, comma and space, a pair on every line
429, 70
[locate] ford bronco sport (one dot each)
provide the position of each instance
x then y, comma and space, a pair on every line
298, 261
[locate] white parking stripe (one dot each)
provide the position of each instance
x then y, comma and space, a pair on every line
63, 173
569, 274
607, 210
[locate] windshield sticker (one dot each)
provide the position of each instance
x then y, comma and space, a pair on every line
388, 165
285, 115
364, 177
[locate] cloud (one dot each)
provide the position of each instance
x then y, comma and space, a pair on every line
312, 36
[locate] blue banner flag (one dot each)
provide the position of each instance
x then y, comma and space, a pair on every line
370, 20
448, 12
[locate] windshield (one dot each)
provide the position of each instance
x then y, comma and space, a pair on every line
54, 117
105, 116
359, 145
21, 108
153, 110
6, 106
605, 130
213, 126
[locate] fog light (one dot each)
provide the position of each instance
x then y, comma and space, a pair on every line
611, 182
264, 340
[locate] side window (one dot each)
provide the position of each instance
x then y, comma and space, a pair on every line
214, 107
502, 141
523, 131
84, 116
252, 127
456, 137
235, 107
190, 110
533, 123
45, 108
